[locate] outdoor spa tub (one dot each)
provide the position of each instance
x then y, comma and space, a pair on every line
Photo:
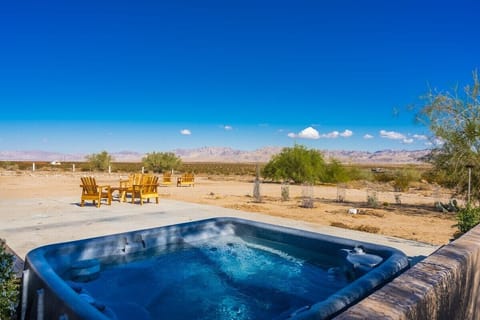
223, 268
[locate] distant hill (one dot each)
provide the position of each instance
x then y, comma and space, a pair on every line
226, 154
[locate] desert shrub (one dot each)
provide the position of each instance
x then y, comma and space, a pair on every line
365, 228
467, 218
161, 161
403, 178
9, 287
285, 192
355, 174
384, 177
372, 199
99, 161
340, 225
7, 165
335, 172
297, 164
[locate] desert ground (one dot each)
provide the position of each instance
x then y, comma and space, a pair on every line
412, 215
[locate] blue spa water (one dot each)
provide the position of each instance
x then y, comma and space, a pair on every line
221, 278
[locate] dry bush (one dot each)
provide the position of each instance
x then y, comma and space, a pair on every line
366, 228
363, 228
372, 213
340, 225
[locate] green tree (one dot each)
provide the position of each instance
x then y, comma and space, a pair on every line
335, 172
454, 120
297, 164
9, 288
99, 161
161, 161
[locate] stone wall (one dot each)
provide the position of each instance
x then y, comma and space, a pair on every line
445, 285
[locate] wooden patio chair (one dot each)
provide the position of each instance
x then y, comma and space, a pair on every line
187, 179
167, 178
91, 191
148, 188
126, 185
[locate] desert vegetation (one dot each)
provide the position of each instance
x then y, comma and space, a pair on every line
9, 285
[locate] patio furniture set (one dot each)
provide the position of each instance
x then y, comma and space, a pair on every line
138, 186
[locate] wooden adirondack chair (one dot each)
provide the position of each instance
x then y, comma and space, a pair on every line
187, 179
91, 191
126, 186
148, 188
167, 178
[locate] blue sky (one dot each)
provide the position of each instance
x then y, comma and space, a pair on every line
85, 76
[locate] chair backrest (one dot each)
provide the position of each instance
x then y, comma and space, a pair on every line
167, 177
89, 185
149, 183
136, 178
154, 184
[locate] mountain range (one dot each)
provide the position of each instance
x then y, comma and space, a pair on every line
227, 154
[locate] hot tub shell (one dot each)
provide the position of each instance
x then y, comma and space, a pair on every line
45, 295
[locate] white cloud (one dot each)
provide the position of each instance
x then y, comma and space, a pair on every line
185, 132
407, 141
307, 133
347, 133
311, 133
368, 136
392, 135
331, 135
335, 134
227, 128
420, 137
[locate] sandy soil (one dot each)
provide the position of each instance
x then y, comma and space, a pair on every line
415, 218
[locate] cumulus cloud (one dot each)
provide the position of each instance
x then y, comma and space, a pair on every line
368, 136
335, 134
420, 137
347, 133
392, 135
331, 135
407, 141
185, 132
227, 128
311, 133
307, 133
